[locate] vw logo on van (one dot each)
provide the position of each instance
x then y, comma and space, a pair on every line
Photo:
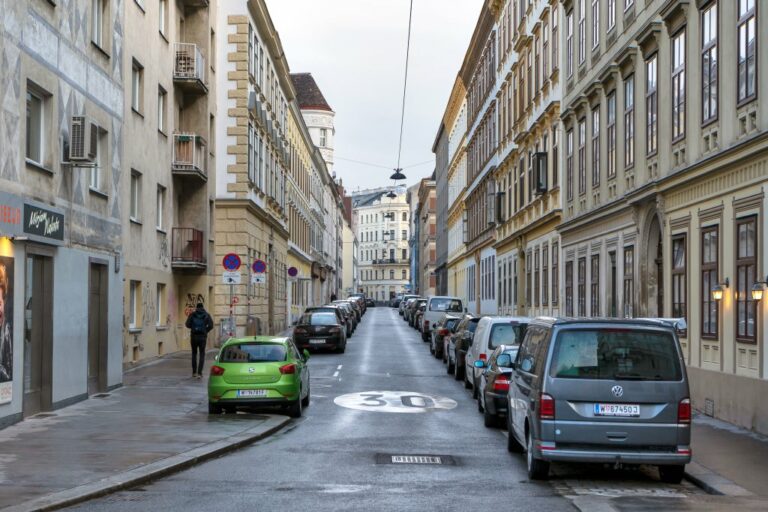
617, 391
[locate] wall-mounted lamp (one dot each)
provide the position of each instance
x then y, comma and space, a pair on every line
757, 289
718, 289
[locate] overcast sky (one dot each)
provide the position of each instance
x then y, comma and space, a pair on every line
355, 49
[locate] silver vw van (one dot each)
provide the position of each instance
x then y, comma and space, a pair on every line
600, 390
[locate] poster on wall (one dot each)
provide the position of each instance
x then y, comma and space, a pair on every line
6, 329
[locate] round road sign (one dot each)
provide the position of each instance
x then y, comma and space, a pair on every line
408, 402
293, 271
259, 267
231, 261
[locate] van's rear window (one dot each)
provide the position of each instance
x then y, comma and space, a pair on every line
252, 353
450, 305
608, 354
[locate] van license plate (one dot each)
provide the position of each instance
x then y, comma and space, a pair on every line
252, 392
628, 410
317, 342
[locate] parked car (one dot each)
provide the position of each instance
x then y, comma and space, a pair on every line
437, 308
347, 305
404, 301
418, 315
348, 315
259, 371
321, 328
395, 301
494, 385
605, 391
361, 297
370, 303
458, 344
407, 309
491, 332
412, 309
442, 329
357, 307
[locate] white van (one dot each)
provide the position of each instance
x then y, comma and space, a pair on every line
491, 332
436, 309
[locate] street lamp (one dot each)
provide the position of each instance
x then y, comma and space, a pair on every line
398, 175
719, 289
757, 289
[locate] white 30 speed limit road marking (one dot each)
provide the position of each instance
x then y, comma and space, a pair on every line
408, 402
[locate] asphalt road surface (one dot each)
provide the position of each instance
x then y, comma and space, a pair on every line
387, 396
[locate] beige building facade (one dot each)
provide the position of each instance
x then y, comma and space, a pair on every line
427, 219
665, 175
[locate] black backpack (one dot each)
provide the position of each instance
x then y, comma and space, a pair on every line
198, 324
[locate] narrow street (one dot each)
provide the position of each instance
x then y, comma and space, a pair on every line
339, 458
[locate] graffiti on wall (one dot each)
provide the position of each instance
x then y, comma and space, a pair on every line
191, 301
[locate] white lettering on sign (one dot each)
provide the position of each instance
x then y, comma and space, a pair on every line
406, 402
50, 225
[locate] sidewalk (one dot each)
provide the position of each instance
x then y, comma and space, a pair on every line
156, 424
728, 460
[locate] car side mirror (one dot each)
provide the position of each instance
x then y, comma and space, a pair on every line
306, 354
479, 364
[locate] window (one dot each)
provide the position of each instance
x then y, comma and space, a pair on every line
611, 14
611, 125
569, 44
678, 86
709, 279
569, 163
161, 97
628, 4
746, 276
99, 22
555, 275
582, 31
161, 307
747, 50
102, 162
163, 16
568, 288
596, 146
651, 105
545, 50
137, 86
405, 216
555, 42
582, 286
555, 170
404, 234
323, 137
536, 278
403, 275
582, 156
545, 274
709, 64
391, 275
160, 217
528, 280
595, 23
629, 121
629, 281
679, 280
35, 126
135, 196
594, 285
133, 304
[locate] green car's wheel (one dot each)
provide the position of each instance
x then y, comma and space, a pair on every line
230, 409
214, 408
295, 409
305, 401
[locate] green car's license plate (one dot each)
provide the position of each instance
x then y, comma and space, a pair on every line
251, 392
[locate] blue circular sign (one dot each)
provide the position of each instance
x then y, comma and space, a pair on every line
259, 267
231, 261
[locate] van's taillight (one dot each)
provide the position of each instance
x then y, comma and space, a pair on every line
217, 370
501, 383
546, 407
288, 369
684, 411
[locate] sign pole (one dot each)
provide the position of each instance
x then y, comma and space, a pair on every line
231, 311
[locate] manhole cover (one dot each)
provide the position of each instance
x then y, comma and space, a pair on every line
437, 460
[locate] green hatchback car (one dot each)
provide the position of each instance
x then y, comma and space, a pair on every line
259, 371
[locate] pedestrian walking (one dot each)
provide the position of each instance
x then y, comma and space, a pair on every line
200, 323
333, 297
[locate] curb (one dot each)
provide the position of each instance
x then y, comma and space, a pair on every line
151, 471
713, 483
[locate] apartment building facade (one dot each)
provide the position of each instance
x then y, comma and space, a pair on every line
456, 119
665, 175
60, 236
426, 216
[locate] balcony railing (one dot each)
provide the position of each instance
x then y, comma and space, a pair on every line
189, 67
188, 249
390, 261
189, 156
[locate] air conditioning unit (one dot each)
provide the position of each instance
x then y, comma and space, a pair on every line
83, 139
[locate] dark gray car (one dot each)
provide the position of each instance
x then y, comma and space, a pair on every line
606, 391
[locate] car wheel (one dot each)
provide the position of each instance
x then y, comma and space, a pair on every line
214, 408
457, 372
512, 445
474, 388
537, 469
438, 355
450, 369
431, 349
671, 474
341, 349
295, 409
480, 407
467, 385
490, 420
305, 401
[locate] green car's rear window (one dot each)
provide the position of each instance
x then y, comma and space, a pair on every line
252, 353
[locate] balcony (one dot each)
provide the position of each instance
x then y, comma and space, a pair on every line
391, 261
188, 250
189, 68
189, 156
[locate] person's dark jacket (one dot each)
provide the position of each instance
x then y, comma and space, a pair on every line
207, 322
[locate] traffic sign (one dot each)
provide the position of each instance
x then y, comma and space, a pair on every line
231, 277
258, 279
259, 267
293, 271
231, 261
